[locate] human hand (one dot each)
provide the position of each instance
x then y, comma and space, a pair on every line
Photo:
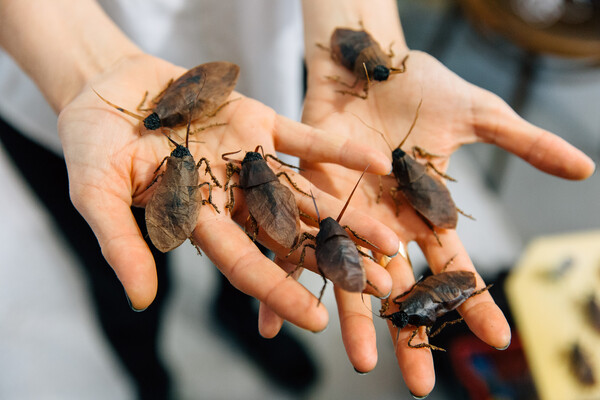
453, 113
111, 161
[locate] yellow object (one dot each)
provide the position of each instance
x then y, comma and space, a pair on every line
548, 291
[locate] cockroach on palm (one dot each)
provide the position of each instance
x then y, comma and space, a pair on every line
581, 365
338, 257
198, 94
429, 299
360, 53
427, 195
271, 205
172, 211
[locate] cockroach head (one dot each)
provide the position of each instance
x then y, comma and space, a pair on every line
252, 156
399, 319
381, 73
180, 151
398, 153
152, 122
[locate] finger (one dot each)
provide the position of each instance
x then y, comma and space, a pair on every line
121, 242
416, 364
379, 280
230, 249
358, 331
315, 145
498, 124
269, 323
482, 315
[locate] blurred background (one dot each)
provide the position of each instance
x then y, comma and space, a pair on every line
540, 56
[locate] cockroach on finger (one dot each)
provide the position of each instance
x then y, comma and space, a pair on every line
271, 205
582, 366
427, 195
429, 299
199, 93
338, 258
172, 211
360, 53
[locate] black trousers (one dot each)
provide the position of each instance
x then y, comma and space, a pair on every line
133, 335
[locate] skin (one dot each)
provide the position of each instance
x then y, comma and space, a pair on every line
454, 113
110, 165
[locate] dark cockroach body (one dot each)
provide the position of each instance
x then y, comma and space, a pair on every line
197, 94
360, 53
582, 366
271, 204
431, 298
338, 258
357, 51
172, 211
593, 311
426, 194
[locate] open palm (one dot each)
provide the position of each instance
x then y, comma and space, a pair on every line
453, 113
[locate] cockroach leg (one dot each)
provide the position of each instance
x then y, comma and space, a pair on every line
445, 324
302, 255
230, 171
253, 228
356, 235
432, 228
212, 114
396, 301
203, 128
421, 345
156, 98
402, 68
272, 157
380, 192
209, 201
365, 254
465, 214
337, 79
475, 293
231, 201
195, 245
309, 217
363, 96
301, 239
373, 286
283, 173
324, 285
397, 203
208, 170
450, 261
140, 106
391, 50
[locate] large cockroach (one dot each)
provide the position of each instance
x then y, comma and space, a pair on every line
427, 195
271, 205
172, 211
429, 299
338, 258
199, 93
360, 53
582, 366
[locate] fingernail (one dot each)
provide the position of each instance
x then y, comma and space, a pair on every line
419, 397
131, 305
386, 296
503, 348
391, 171
360, 372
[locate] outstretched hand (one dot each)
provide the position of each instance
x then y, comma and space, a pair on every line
453, 113
111, 160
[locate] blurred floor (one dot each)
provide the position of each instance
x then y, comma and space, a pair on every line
49, 339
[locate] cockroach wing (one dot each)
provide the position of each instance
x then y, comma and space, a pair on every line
426, 194
200, 91
338, 257
346, 45
274, 208
172, 212
371, 57
255, 171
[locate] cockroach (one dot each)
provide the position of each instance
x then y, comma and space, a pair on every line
431, 298
199, 93
427, 195
338, 258
582, 365
593, 312
271, 205
360, 53
172, 211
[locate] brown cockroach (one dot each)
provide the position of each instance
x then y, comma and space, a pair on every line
427, 195
593, 312
199, 93
431, 298
582, 366
271, 205
172, 211
360, 53
338, 258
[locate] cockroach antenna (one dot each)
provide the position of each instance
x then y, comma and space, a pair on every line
373, 128
315, 203
349, 197
413, 123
